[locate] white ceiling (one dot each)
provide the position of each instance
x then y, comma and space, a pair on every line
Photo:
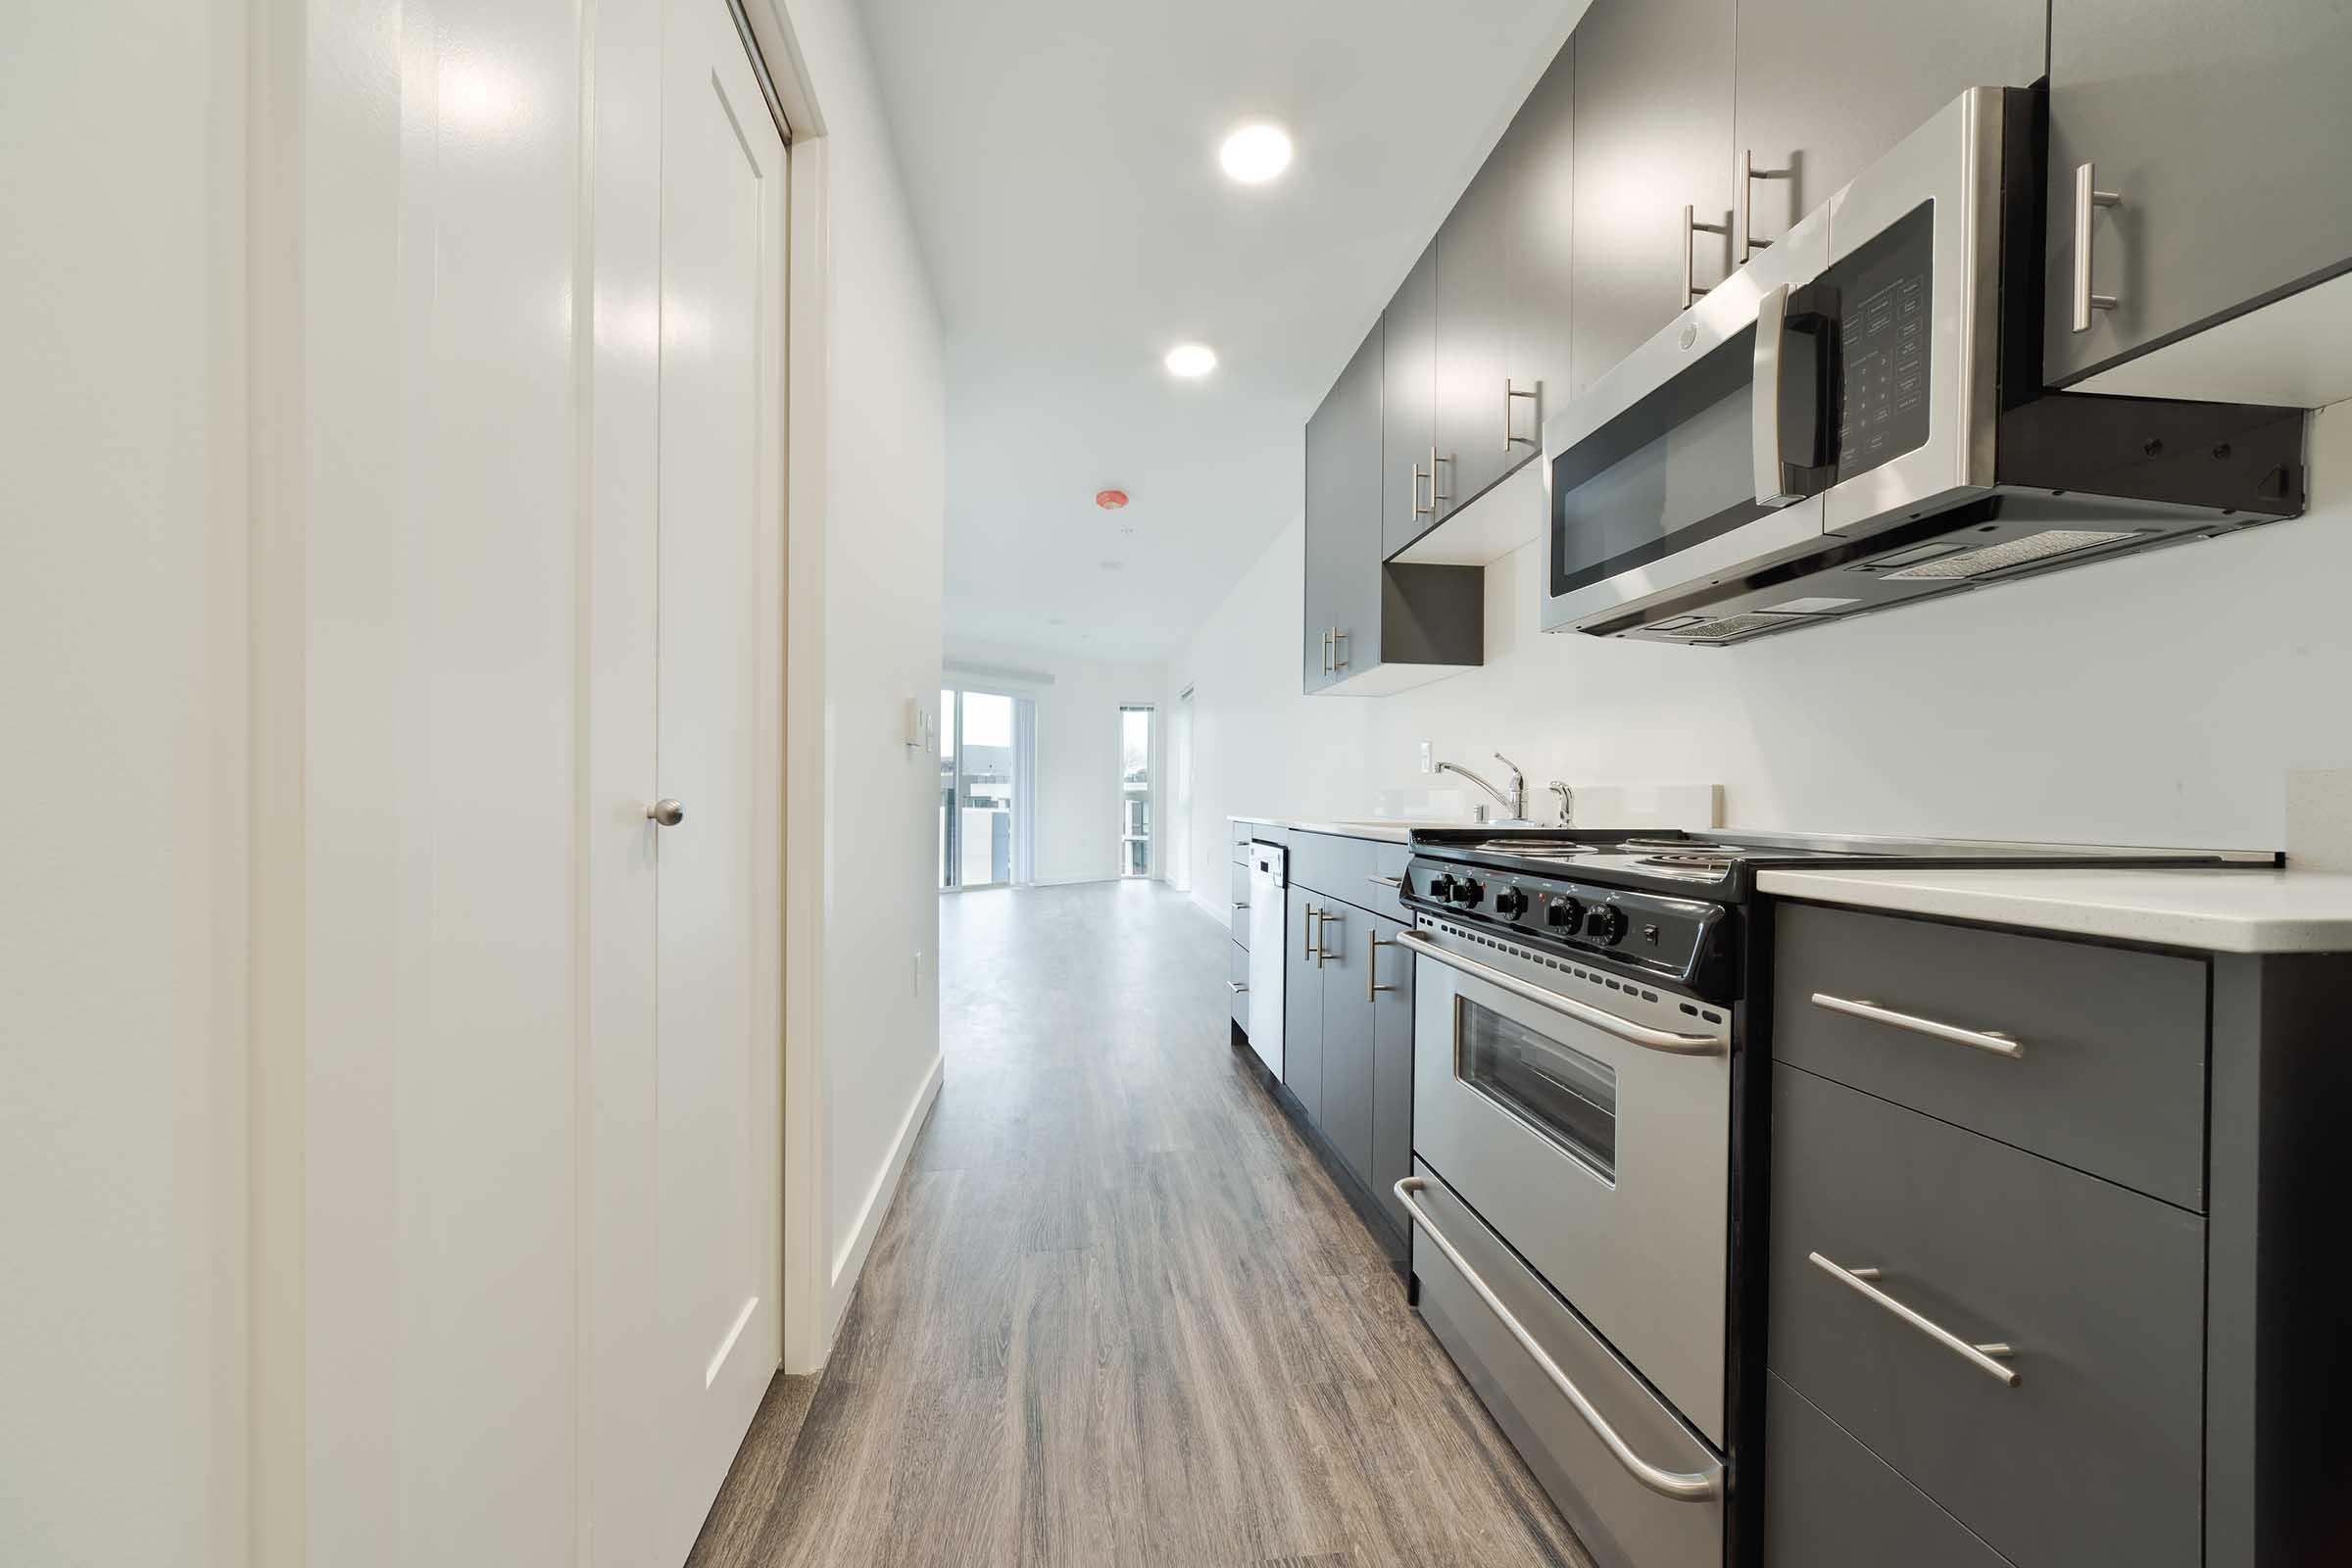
1060, 156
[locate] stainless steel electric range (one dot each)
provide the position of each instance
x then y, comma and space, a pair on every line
1590, 1114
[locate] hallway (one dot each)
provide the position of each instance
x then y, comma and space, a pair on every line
1119, 1314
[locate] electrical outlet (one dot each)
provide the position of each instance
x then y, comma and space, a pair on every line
1428, 760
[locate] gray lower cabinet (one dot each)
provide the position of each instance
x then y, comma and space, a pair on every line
2094, 1453
1653, 135
1831, 1501
1392, 979
2222, 130
1347, 1016
1408, 406
1303, 1001
1825, 87
2109, 1173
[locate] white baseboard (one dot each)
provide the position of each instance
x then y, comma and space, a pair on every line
850, 1262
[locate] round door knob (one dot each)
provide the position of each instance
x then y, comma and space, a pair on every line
666, 813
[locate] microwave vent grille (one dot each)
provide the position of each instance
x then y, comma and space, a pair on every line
2010, 553
1728, 627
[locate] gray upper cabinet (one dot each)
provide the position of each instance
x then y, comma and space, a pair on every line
1342, 523
1408, 406
1541, 147
1473, 335
1825, 87
1653, 135
2222, 130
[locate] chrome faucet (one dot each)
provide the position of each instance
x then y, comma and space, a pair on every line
1567, 802
1514, 803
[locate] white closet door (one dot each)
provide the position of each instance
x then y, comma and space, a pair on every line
717, 1180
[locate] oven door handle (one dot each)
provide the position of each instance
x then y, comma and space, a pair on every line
1607, 1022
1680, 1485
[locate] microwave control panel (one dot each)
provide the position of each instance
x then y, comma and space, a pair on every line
1885, 299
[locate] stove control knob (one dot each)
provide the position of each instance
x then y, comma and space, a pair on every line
1510, 904
1605, 924
1441, 888
1466, 893
1565, 914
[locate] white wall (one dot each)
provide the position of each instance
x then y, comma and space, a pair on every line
123, 878
1078, 747
879, 480
2157, 699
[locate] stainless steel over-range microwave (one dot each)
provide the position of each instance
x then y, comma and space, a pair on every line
1856, 419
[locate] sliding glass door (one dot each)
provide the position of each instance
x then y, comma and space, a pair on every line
1135, 791
978, 785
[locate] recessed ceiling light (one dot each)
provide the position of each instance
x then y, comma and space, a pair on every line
1191, 360
1256, 153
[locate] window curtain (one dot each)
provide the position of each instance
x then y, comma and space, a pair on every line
1024, 791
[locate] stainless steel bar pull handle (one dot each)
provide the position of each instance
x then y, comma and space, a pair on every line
1980, 1356
1237, 987
1386, 881
1666, 1040
1749, 173
1338, 635
2088, 197
1987, 1039
1681, 1485
1372, 986
1437, 497
1692, 292
1325, 919
1509, 393
1764, 400
1420, 511
1307, 925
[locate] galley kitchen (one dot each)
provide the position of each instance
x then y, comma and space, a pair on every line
1549, 784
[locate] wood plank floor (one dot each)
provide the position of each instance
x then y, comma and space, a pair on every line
1119, 1314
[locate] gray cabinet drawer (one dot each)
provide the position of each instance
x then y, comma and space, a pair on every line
2110, 1077
2094, 1455
1330, 865
1238, 983
1382, 876
1828, 1500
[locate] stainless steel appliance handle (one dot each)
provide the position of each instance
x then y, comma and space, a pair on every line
1692, 292
2087, 196
1665, 1040
1980, 1356
1681, 1485
1992, 1039
1764, 399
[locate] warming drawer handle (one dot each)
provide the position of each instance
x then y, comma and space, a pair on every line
1987, 1039
1665, 1040
1680, 1485
1980, 1356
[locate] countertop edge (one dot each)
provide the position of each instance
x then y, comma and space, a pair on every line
2128, 906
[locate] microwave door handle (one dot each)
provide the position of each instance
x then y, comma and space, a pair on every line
1764, 400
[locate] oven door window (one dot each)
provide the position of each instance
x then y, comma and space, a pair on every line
1565, 1096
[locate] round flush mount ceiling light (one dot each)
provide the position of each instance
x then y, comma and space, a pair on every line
1190, 361
1111, 499
1256, 153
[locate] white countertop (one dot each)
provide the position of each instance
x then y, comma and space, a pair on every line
2218, 911
1394, 830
